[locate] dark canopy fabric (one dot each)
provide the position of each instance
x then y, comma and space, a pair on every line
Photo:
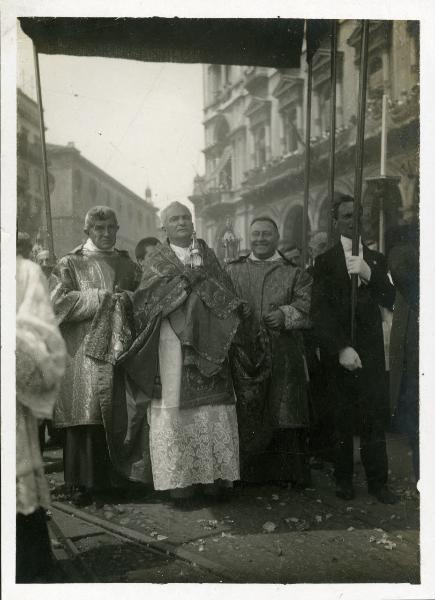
257, 42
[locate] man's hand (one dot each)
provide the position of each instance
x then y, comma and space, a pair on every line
356, 265
349, 359
245, 310
275, 319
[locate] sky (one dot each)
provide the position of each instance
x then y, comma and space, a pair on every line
140, 122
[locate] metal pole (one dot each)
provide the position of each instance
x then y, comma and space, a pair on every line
44, 160
359, 161
333, 105
307, 165
381, 245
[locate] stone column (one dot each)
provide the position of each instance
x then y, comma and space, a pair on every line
339, 119
386, 70
267, 141
315, 115
299, 124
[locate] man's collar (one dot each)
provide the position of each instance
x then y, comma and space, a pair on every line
347, 244
91, 247
276, 256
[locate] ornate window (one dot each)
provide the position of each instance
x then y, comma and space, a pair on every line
258, 113
379, 73
289, 92
259, 137
290, 134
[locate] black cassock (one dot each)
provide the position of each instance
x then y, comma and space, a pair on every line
360, 398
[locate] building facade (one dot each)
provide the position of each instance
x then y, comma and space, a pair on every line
30, 202
79, 185
76, 184
254, 125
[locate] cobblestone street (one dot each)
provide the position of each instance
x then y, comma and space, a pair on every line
263, 535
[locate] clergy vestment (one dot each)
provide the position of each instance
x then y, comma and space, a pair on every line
96, 324
269, 370
186, 319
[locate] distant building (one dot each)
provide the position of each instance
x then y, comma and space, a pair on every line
254, 124
76, 184
80, 185
30, 203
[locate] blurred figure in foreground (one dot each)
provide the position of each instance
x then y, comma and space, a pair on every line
40, 364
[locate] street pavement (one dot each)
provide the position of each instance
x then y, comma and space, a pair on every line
264, 534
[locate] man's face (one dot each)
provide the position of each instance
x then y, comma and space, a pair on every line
147, 250
179, 226
43, 258
103, 233
345, 219
264, 239
294, 256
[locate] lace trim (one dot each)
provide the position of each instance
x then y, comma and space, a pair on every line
193, 446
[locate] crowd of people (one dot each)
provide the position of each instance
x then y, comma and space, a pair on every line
182, 375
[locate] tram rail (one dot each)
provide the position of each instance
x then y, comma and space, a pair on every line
76, 569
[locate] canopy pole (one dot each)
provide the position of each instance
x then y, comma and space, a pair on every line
44, 160
359, 161
332, 127
307, 164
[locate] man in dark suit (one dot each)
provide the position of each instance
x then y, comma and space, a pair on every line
356, 368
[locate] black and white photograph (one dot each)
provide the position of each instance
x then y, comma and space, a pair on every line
214, 224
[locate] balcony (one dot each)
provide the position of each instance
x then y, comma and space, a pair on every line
255, 77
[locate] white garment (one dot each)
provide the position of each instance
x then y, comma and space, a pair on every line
193, 445
183, 254
40, 364
91, 247
347, 246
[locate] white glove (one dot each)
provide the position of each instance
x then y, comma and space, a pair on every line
349, 359
356, 265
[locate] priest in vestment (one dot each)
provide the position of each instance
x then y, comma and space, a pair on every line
268, 362
90, 293
185, 313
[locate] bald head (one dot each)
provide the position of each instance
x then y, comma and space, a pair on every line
177, 223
